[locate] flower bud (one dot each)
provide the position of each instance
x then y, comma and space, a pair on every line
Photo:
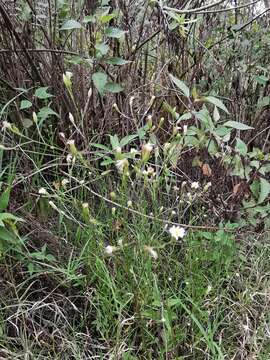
67, 79
72, 147
146, 151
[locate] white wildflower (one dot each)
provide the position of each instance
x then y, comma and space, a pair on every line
71, 142
195, 185
6, 125
64, 182
43, 191
121, 165
62, 135
109, 249
207, 186
69, 158
129, 203
177, 232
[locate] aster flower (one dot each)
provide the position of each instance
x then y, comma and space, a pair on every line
177, 232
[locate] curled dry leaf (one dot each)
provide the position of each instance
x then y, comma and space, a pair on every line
207, 171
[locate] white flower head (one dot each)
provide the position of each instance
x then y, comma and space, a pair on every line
113, 210
121, 165
207, 186
43, 191
67, 78
195, 185
133, 151
6, 125
62, 135
109, 250
85, 205
146, 151
118, 150
177, 232
185, 128
152, 252
129, 203
64, 182
148, 147
69, 158
71, 142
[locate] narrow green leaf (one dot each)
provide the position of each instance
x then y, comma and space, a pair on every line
100, 146
237, 125
181, 85
4, 199
127, 139
217, 102
117, 61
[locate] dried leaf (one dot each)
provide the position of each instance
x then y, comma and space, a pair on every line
207, 171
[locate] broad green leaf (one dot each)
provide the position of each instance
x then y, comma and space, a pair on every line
217, 102
89, 19
25, 104
7, 236
181, 85
262, 80
45, 112
100, 81
127, 139
4, 199
241, 147
265, 101
113, 87
264, 190
237, 125
41, 93
8, 216
106, 18
114, 32
102, 48
114, 141
70, 25
107, 162
117, 61
185, 116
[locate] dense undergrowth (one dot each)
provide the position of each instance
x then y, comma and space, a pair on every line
134, 162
